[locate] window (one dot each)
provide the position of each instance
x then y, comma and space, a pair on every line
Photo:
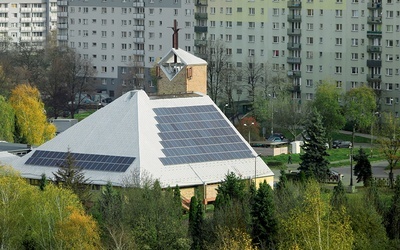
238, 23
353, 85
123, 46
310, 12
354, 56
212, 24
339, 27
309, 68
389, 57
354, 70
354, 27
354, 42
309, 54
354, 13
339, 84
389, 28
212, 10
338, 13
389, 86
239, 10
310, 40
275, 12
338, 55
228, 10
238, 51
338, 70
338, 41
252, 38
239, 64
275, 39
251, 52
252, 11
252, 25
275, 25
275, 53
229, 24
228, 38
309, 96
389, 14
309, 82
310, 26
238, 37
389, 72
389, 43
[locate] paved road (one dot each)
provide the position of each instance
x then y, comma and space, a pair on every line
378, 170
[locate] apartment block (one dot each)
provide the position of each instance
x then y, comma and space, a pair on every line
27, 22
347, 42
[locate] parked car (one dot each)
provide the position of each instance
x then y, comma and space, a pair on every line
341, 144
335, 175
277, 137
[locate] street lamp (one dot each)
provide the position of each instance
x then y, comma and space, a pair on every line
226, 105
249, 128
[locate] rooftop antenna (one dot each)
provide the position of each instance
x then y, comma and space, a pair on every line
175, 38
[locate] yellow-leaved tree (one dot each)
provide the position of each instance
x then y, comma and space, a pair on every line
50, 219
32, 126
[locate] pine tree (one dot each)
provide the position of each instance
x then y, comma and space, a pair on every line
72, 177
231, 189
196, 218
339, 196
393, 215
363, 169
264, 221
42, 182
313, 161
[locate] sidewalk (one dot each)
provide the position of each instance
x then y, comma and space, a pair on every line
358, 134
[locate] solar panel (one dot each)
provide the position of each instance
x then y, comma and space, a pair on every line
96, 162
197, 133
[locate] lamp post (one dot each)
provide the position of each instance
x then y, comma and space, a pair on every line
255, 169
226, 105
249, 128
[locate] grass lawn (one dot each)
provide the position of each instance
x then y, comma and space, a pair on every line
82, 115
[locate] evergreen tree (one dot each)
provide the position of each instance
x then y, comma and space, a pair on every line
232, 188
196, 218
363, 169
339, 196
313, 161
72, 177
43, 182
372, 197
393, 215
264, 222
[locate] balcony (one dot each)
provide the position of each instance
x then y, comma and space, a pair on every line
53, 9
138, 40
138, 16
62, 14
2, 29
39, 28
138, 4
4, 19
4, 10
374, 78
138, 52
294, 32
198, 42
296, 88
62, 37
38, 10
25, 38
200, 16
201, 3
25, 29
374, 48
294, 4
374, 33
374, 19
200, 29
374, 63
26, 20
294, 18
62, 25
294, 74
293, 60
294, 46
38, 19
25, 10
138, 64
374, 6
38, 38
62, 3
138, 27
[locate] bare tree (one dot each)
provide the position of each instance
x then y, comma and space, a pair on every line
217, 58
254, 73
134, 77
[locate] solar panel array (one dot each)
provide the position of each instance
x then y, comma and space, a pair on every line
197, 134
85, 161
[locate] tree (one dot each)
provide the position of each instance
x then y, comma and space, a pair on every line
217, 60
196, 218
248, 126
315, 225
389, 142
232, 189
313, 160
7, 121
363, 169
264, 222
31, 121
72, 177
338, 198
393, 215
359, 107
327, 104
253, 74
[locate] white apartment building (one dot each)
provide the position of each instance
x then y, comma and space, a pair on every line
124, 39
27, 22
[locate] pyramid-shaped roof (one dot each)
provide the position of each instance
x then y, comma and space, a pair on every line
180, 140
176, 59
